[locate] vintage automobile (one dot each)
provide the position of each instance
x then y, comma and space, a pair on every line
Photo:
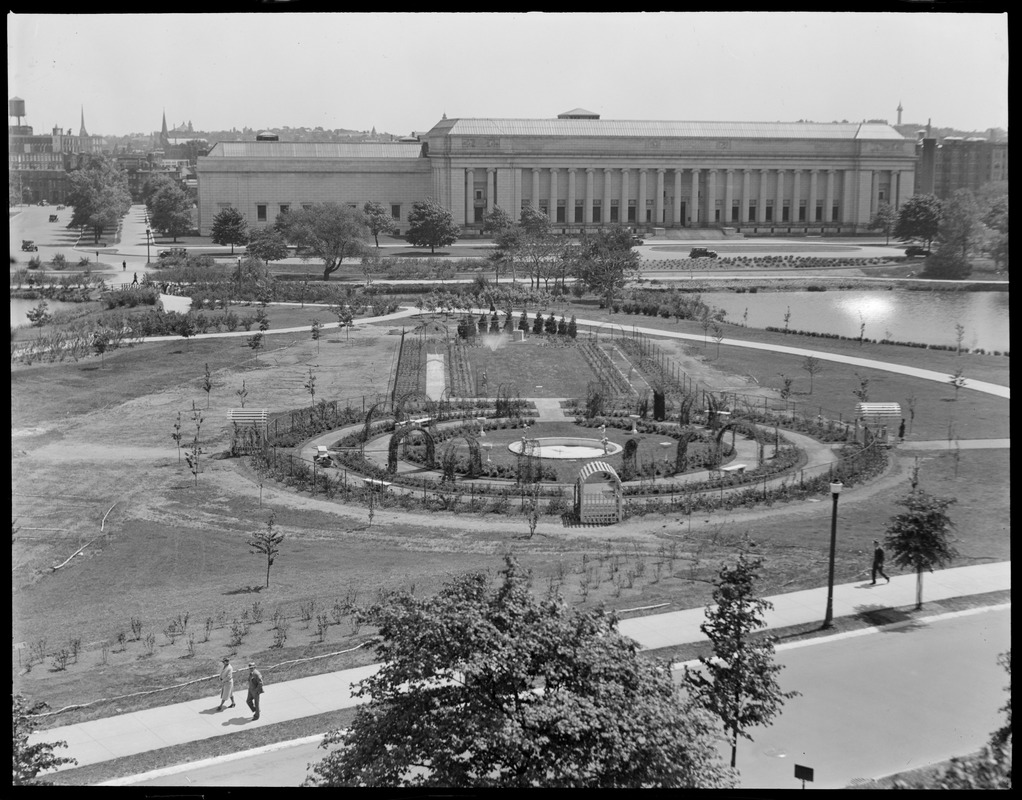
29, 245
54, 218
636, 240
916, 250
174, 252
702, 252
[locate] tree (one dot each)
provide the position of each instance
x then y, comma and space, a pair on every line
431, 225
958, 232
229, 227
485, 687
920, 537
267, 543
738, 683
98, 194
31, 759
170, 211
328, 231
267, 245
919, 218
378, 220
814, 367
605, 261
884, 220
507, 238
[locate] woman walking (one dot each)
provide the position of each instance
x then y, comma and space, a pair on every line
226, 685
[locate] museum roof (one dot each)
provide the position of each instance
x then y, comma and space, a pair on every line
668, 129
316, 150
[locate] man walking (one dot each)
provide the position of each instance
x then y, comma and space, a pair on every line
255, 688
878, 562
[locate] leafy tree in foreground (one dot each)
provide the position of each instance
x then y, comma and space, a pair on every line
605, 260
484, 686
919, 218
884, 220
328, 231
170, 210
738, 683
959, 230
30, 760
267, 245
919, 538
229, 227
378, 220
432, 226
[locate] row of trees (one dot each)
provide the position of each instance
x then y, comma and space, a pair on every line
98, 195
957, 225
333, 232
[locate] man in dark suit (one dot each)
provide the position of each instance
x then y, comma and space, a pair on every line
255, 688
878, 562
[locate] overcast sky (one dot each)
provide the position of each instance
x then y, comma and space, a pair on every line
402, 72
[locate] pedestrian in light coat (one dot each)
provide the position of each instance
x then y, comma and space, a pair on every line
226, 684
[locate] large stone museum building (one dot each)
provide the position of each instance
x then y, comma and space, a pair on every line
583, 171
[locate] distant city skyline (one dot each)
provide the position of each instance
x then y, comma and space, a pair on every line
399, 73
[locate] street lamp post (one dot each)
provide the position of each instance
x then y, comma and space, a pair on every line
835, 491
147, 246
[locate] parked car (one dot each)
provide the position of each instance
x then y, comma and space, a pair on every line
54, 218
702, 252
29, 245
174, 252
916, 250
636, 240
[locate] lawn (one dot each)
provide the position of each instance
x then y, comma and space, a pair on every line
95, 465
540, 366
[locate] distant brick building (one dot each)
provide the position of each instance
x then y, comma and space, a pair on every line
959, 163
585, 172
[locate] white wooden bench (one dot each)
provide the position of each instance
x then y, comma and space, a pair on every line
248, 416
421, 421
376, 483
739, 468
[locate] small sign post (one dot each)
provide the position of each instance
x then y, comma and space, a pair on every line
804, 774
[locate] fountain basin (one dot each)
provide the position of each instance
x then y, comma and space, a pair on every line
567, 448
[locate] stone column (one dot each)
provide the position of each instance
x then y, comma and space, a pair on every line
470, 196
658, 201
828, 202
711, 198
676, 219
693, 206
588, 208
491, 189
569, 214
623, 200
874, 192
811, 211
743, 212
796, 194
535, 188
729, 197
762, 204
607, 181
640, 203
553, 195
779, 199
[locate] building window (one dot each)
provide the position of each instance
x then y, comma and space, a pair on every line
833, 214
395, 211
752, 213
560, 213
613, 214
786, 211
631, 213
819, 212
285, 208
260, 212
478, 214
544, 208
735, 211
578, 213
597, 214
769, 214
801, 210
479, 194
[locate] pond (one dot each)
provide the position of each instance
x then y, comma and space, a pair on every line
927, 317
19, 309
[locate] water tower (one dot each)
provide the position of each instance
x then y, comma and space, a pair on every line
16, 108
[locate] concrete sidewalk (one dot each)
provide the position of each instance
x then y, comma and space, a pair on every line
156, 728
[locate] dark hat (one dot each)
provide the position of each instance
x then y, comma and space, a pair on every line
251, 663
225, 660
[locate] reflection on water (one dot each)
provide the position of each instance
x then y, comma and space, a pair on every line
906, 316
20, 308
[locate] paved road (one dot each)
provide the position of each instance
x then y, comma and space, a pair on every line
871, 705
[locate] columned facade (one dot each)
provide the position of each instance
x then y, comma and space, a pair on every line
782, 178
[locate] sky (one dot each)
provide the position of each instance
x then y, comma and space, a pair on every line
401, 72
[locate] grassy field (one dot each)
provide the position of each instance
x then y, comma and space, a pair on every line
95, 467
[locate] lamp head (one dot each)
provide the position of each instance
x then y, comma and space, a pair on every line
836, 487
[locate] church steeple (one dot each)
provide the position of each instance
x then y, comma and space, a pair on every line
164, 136
83, 133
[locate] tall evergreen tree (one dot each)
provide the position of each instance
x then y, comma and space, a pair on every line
229, 227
